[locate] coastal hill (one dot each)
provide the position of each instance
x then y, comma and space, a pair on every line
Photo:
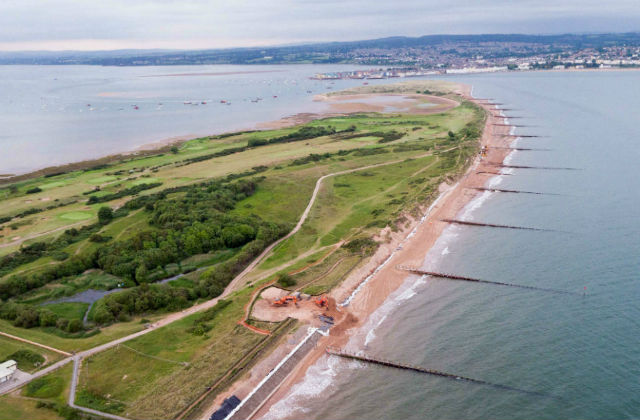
428, 51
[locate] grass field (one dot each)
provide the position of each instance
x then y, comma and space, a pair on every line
40, 398
76, 216
69, 310
160, 373
9, 347
106, 334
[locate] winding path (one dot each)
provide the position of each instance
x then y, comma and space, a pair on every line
235, 284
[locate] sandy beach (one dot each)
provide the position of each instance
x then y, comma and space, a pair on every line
340, 105
452, 200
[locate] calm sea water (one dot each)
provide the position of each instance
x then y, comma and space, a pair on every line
583, 350
58, 114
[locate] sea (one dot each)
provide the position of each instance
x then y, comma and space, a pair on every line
51, 115
542, 355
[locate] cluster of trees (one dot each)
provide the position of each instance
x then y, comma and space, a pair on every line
121, 305
122, 193
145, 298
304, 133
315, 157
224, 152
195, 222
28, 316
385, 136
388, 136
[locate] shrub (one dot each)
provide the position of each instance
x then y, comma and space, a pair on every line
364, 246
34, 190
97, 238
74, 326
286, 280
59, 255
45, 387
27, 359
105, 215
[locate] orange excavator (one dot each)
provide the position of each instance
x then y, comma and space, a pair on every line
322, 302
283, 301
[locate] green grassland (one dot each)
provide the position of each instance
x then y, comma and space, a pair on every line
70, 344
159, 374
44, 398
69, 310
39, 357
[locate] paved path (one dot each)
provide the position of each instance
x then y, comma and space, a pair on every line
18, 375
26, 379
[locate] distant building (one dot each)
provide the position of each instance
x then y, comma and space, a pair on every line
7, 369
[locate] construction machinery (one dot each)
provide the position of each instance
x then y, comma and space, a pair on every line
283, 301
322, 302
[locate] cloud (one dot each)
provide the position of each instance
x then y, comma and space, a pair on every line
75, 24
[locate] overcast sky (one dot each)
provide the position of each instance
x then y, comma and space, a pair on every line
195, 24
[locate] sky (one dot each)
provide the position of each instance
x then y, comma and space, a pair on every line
200, 24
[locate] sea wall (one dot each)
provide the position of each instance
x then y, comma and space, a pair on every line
271, 382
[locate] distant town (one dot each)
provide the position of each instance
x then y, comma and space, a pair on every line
444, 61
441, 53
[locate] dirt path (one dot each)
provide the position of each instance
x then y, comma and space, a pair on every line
415, 245
234, 285
24, 340
236, 282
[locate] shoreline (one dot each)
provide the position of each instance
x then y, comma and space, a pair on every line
336, 107
379, 278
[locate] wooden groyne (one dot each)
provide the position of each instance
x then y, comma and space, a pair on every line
550, 168
509, 191
493, 225
509, 125
388, 363
446, 276
492, 173
523, 149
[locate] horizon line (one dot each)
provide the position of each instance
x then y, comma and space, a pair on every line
310, 43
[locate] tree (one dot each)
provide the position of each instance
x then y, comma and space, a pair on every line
105, 215
141, 272
48, 318
74, 326
174, 150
